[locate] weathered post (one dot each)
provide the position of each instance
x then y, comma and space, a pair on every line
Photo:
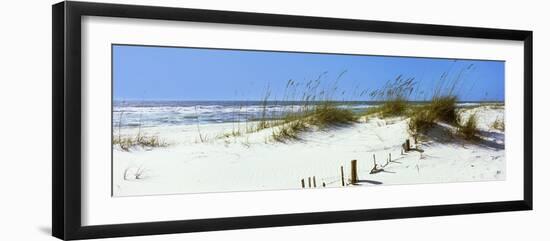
314, 182
407, 145
309, 182
390, 157
354, 178
303, 183
342, 175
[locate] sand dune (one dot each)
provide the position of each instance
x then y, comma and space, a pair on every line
253, 161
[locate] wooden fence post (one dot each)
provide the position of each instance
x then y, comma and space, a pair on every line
309, 182
342, 175
407, 145
314, 182
303, 183
354, 178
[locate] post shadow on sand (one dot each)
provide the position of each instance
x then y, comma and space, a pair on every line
370, 182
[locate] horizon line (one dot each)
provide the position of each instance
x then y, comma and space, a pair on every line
184, 100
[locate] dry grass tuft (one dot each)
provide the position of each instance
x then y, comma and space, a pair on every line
498, 124
443, 108
421, 121
289, 131
469, 129
394, 97
323, 115
126, 143
390, 108
424, 117
328, 114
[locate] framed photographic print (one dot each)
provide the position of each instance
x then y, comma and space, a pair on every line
170, 120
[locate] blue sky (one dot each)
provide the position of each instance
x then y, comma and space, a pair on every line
168, 73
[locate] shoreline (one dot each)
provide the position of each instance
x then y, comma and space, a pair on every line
460, 106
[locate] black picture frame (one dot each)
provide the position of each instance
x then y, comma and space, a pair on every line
66, 128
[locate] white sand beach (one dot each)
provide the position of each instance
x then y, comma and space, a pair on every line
253, 161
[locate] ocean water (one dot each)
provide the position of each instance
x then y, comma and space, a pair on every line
161, 113
128, 114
